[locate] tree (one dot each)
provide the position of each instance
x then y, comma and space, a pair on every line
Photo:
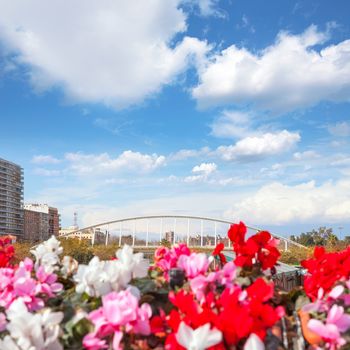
321, 237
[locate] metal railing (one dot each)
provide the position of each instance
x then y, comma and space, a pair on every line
175, 235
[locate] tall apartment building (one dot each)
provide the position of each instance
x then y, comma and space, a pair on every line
40, 222
11, 199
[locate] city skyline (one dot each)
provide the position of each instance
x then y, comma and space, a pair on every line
228, 109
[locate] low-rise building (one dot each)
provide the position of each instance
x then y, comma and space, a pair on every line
95, 235
40, 222
54, 221
36, 225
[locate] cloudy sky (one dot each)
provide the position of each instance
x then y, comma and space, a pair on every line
230, 109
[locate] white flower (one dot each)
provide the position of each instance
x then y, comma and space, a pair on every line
199, 339
29, 331
136, 263
8, 344
69, 266
101, 277
47, 254
254, 343
92, 279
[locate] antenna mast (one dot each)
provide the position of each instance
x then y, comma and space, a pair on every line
76, 220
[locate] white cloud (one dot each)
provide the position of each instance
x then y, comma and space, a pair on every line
307, 155
278, 204
45, 159
245, 24
341, 160
258, 147
94, 164
115, 52
189, 153
231, 124
205, 168
47, 172
341, 129
202, 172
207, 7
275, 171
287, 75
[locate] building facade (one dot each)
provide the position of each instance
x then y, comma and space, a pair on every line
41, 222
96, 236
36, 225
11, 199
54, 221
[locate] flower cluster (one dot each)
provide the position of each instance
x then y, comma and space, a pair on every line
33, 284
47, 254
26, 330
101, 277
331, 320
6, 251
325, 269
186, 300
119, 314
260, 248
235, 312
33, 287
328, 285
167, 258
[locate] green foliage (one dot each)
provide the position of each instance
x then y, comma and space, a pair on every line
78, 249
165, 243
105, 252
321, 237
21, 251
294, 255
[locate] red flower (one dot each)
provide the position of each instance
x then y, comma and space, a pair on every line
217, 252
237, 232
325, 269
259, 248
6, 251
260, 290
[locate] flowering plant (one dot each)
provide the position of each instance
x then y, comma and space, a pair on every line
328, 286
6, 251
185, 300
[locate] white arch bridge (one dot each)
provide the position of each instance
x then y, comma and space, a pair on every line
151, 231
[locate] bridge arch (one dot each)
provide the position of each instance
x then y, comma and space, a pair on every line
149, 231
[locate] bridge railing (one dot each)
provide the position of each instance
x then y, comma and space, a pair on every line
151, 231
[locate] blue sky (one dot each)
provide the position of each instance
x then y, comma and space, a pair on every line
231, 109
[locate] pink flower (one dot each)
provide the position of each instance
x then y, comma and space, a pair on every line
19, 283
227, 275
328, 332
337, 317
120, 308
199, 285
142, 325
194, 264
119, 311
160, 253
165, 258
93, 343
336, 292
337, 322
181, 249
2, 322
